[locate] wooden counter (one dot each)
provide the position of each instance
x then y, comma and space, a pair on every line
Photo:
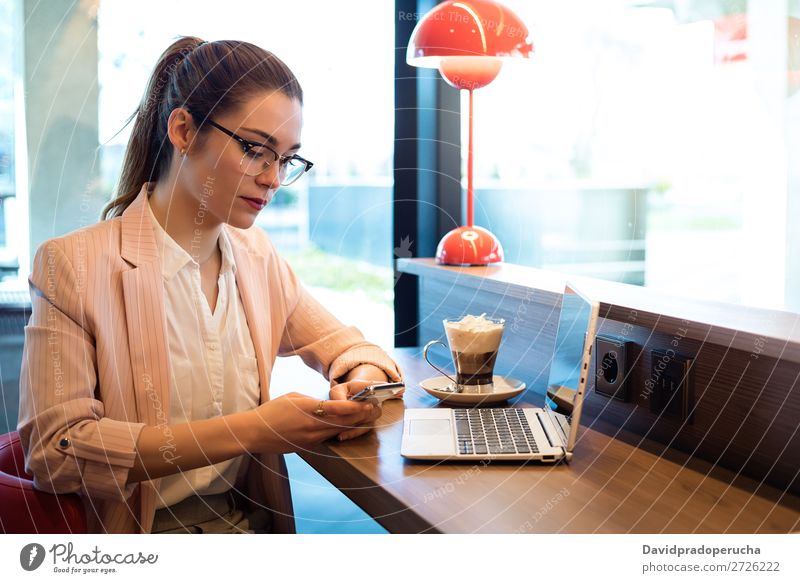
612, 485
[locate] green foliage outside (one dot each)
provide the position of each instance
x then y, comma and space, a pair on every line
317, 268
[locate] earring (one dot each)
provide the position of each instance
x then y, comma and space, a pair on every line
183, 151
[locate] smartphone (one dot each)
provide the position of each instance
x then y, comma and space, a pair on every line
379, 392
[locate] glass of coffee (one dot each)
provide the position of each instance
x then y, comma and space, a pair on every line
473, 343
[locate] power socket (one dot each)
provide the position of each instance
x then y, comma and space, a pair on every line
673, 385
611, 367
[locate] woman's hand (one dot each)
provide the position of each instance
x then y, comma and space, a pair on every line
288, 423
343, 391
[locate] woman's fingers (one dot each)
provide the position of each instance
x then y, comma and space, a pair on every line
347, 419
339, 408
363, 428
341, 415
339, 392
357, 385
351, 433
377, 411
345, 390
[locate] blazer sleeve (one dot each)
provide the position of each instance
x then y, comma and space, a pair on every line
321, 340
70, 446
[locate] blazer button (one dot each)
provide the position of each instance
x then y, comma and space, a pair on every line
64, 443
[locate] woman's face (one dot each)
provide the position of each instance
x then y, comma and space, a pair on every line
212, 170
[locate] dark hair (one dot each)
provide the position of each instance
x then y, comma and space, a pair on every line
204, 77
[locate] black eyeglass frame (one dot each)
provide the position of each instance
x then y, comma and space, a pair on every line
247, 145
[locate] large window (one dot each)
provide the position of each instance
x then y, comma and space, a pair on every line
650, 143
334, 225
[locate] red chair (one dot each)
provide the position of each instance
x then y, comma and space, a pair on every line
25, 510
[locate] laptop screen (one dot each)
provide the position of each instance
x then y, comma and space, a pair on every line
567, 380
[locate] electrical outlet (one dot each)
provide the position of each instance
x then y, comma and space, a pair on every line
673, 385
611, 367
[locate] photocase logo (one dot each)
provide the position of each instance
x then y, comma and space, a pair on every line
31, 556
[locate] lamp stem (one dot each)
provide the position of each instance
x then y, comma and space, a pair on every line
470, 192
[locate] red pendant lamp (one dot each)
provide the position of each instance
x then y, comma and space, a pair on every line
467, 41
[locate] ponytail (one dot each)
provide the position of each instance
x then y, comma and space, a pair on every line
205, 78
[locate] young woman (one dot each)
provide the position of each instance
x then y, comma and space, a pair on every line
146, 372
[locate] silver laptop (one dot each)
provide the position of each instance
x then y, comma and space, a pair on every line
545, 433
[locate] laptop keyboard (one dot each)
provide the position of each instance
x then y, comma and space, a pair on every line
493, 431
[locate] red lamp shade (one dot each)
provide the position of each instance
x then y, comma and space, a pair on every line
469, 246
467, 28
467, 40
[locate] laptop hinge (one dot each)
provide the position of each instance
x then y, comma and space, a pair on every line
550, 431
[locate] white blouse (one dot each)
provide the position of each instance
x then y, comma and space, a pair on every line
214, 370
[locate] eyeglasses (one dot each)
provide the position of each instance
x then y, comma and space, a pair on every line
258, 157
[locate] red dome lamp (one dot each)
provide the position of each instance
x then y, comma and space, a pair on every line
467, 41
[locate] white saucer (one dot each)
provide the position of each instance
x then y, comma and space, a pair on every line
504, 388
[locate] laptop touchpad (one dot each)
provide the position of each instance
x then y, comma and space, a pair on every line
428, 427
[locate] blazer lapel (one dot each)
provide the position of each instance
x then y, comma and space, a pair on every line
143, 292
144, 310
251, 269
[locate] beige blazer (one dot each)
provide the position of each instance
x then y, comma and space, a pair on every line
96, 369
